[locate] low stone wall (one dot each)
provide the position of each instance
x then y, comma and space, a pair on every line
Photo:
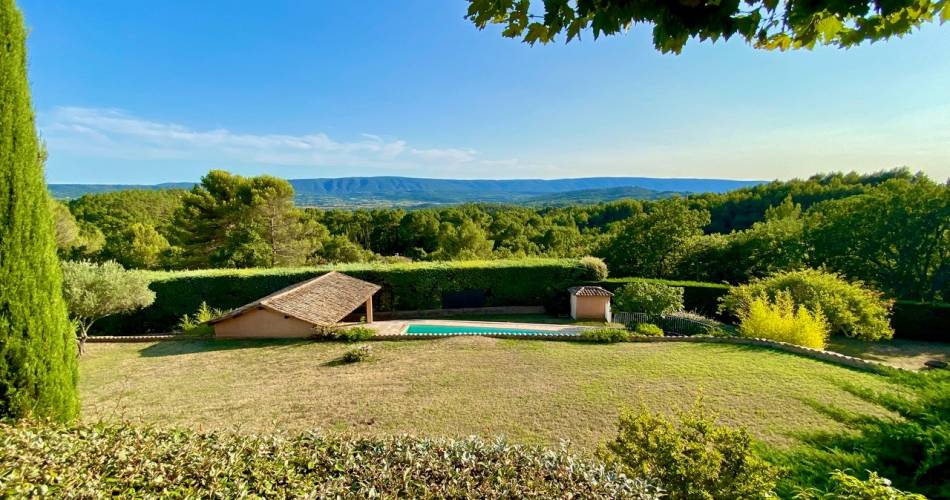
96, 339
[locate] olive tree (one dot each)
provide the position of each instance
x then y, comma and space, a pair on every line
94, 291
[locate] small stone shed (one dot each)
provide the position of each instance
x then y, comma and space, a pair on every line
295, 311
590, 302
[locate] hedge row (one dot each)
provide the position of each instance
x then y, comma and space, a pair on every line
135, 462
910, 320
921, 321
405, 287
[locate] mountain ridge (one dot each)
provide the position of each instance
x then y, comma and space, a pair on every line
395, 190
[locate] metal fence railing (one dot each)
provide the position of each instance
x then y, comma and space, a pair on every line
681, 323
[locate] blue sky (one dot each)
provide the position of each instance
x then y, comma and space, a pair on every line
129, 94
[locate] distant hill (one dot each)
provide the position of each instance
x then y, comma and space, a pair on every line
408, 191
70, 191
589, 196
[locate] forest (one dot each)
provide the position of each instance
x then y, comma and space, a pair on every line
890, 229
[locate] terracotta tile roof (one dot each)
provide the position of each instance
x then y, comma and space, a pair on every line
323, 300
589, 291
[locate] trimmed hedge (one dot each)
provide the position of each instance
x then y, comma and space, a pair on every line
405, 287
921, 321
140, 462
910, 320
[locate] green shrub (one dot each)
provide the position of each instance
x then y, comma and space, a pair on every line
357, 354
783, 322
906, 441
354, 334
595, 267
197, 325
690, 458
850, 308
843, 486
650, 298
909, 320
407, 286
605, 335
37, 341
649, 330
690, 323
128, 461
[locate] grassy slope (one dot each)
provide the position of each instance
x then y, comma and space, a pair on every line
529, 391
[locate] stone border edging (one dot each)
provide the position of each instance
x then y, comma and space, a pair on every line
95, 339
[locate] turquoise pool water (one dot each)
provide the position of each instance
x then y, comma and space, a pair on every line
475, 330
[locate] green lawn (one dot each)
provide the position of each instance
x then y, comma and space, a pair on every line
527, 390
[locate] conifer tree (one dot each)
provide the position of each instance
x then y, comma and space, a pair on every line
37, 350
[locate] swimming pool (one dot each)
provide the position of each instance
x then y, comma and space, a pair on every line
478, 330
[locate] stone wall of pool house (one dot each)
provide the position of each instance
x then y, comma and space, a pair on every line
263, 323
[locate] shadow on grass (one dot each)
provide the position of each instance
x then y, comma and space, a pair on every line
179, 347
337, 362
907, 353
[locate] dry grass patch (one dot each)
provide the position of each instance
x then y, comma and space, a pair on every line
527, 390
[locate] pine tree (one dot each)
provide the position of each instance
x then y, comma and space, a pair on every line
37, 351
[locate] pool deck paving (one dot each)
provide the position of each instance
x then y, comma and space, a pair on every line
393, 328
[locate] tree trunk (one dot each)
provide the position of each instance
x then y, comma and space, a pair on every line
83, 335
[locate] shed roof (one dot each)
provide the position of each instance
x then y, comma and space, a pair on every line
589, 291
323, 300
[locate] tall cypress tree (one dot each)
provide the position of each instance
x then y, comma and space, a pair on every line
37, 352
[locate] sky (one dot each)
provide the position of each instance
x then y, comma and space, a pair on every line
141, 93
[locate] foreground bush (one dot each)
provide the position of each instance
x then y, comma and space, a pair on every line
850, 308
605, 335
909, 443
103, 461
783, 322
845, 486
692, 458
649, 298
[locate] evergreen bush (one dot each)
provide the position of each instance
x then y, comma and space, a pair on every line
142, 462
648, 330
37, 345
605, 335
